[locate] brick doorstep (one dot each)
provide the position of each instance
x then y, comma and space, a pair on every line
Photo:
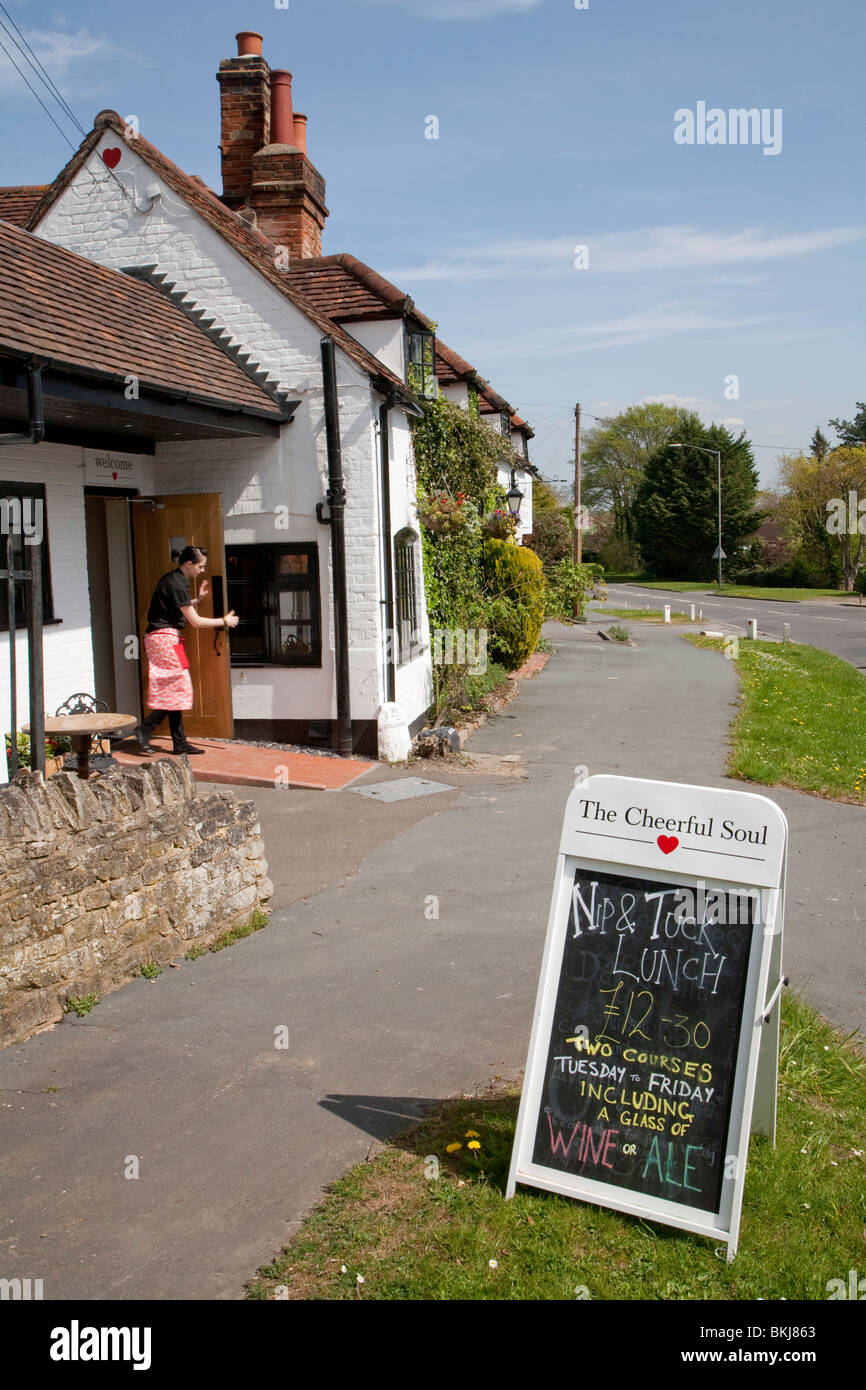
244, 765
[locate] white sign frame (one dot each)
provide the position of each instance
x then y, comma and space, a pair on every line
608, 844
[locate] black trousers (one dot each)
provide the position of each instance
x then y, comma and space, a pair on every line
175, 724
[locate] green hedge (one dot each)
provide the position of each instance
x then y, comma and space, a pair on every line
515, 580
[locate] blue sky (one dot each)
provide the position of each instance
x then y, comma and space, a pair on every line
556, 130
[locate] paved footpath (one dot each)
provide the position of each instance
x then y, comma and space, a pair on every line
386, 1009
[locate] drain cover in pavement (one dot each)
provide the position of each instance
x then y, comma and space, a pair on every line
401, 789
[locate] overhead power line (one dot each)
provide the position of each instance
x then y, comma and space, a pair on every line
39, 69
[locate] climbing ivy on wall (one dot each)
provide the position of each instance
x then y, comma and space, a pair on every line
455, 452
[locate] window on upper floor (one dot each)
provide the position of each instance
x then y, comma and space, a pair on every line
275, 591
23, 518
421, 364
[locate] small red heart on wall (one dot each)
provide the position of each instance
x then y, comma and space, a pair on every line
114, 476
111, 158
667, 843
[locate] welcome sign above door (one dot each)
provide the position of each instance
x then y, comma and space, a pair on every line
107, 468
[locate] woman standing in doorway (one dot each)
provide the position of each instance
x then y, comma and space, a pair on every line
169, 685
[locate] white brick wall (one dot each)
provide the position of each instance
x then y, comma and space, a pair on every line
97, 221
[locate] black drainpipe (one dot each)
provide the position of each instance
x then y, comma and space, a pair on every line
35, 413
387, 549
336, 496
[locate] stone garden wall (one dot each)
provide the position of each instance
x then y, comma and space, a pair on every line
99, 877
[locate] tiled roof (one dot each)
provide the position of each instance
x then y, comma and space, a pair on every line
346, 289
17, 204
451, 367
245, 239
85, 317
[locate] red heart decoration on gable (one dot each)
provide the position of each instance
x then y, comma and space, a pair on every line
111, 158
114, 476
667, 843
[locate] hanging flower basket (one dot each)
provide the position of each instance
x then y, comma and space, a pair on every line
499, 525
443, 513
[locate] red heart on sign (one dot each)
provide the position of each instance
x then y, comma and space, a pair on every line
667, 843
114, 476
111, 158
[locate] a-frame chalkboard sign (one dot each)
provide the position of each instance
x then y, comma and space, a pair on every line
655, 1041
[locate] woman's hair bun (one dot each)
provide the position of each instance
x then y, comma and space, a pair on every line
192, 555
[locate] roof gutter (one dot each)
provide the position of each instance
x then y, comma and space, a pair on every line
35, 433
153, 388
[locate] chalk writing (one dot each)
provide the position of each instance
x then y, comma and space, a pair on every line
638, 1095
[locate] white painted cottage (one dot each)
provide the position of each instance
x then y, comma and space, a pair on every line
324, 567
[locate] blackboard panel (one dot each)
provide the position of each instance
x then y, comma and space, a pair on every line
643, 1043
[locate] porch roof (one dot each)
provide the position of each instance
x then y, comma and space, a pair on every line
99, 327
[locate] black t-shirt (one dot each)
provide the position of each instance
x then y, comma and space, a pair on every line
170, 595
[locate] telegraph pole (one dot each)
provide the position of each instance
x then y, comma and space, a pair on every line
578, 530
577, 539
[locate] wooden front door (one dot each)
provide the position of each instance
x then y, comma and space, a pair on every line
182, 520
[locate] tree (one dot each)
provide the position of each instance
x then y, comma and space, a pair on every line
544, 498
615, 455
820, 445
852, 433
676, 508
551, 536
830, 494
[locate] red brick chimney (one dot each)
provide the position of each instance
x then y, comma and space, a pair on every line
264, 152
245, 99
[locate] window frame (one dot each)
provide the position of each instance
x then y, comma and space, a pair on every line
270, 585
406, 593
35, 492
421, 363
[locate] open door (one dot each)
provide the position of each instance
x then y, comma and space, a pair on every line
178, 521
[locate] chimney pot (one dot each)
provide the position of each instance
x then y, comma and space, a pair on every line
282, 120
300, 132
249, 44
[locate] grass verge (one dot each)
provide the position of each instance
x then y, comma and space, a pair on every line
802, 719
706, 586
640, 615
410, 1234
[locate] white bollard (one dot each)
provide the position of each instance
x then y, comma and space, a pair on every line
786, 632
752, 629
692, 607
700, 614
667, 612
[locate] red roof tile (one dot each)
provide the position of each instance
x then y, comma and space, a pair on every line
346, 289
17, 204
60, 306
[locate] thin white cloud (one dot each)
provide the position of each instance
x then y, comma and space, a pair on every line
646, 250
60, 53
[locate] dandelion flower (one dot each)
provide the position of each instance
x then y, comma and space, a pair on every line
452, 1148
472, 1134
473, 1144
